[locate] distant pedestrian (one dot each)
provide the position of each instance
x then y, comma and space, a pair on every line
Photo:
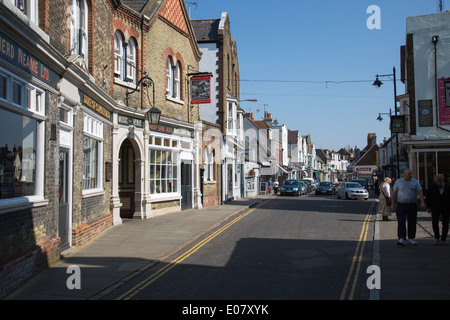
384, 200
404, 202
438, 203
269, 184
275, 186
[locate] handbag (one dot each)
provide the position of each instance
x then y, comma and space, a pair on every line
388, 199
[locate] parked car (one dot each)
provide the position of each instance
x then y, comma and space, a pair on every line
291, 186
352, 190
308, 184
311, 181
362, 182
324, 187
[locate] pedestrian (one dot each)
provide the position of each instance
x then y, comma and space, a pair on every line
404, 202
269, 184
275, 186
384, 200
438, 204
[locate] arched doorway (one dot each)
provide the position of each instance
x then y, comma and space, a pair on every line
127, 178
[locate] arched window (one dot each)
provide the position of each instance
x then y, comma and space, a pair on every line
169, 76
173, 75
118, 54
131, 60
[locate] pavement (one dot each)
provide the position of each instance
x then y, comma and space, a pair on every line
122, 252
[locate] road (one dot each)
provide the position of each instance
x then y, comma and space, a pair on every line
303, 248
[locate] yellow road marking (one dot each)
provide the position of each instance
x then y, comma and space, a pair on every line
357, 257
152, 278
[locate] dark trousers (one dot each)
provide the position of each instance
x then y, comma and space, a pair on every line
435, 215
406, 212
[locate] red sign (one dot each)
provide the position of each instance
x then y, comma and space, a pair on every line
444, 101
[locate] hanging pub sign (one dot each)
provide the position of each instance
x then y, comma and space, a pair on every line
398, 124
201, 89
444, 101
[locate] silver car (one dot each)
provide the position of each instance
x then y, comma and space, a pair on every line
352, 190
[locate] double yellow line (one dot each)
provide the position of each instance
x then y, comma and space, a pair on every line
357, 258
155, 276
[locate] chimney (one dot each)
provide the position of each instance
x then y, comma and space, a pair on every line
249, 115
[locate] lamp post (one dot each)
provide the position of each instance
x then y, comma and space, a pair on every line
377, 83
154, 113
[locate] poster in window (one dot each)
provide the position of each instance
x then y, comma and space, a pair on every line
201, 89
444, 101
425, 113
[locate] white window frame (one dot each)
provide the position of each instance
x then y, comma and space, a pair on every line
118, 54
93, 129
169, 77
130, 50
79, 28
30, 8
28, 109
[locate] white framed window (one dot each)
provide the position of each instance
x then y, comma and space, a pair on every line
22, 135
30, 8
169, 76
173, 76
92, 154
208, 174
163, 171
118, 54
124, 58
79, 28
176, 81
131, 60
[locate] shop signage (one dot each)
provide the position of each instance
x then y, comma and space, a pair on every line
130, 121
93, 105
23, 59
444, 101
201, 89
171, 130
425, 113
398, 124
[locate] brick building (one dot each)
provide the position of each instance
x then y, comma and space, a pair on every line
220, 58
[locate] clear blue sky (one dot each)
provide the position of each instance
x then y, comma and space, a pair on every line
289, 49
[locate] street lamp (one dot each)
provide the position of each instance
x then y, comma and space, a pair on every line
153, 115
377, 83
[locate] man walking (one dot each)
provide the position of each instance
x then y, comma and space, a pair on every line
404, 202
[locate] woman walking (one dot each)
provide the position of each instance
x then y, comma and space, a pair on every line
384, 200
438, 203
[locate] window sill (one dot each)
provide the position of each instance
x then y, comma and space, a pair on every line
22, 203
126, 84
165, 197
92, 193
176, 100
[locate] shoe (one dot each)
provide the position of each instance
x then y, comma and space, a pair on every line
413, 242
443, 242
401, 242
386, 218
436, 242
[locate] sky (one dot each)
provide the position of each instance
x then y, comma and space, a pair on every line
311, 64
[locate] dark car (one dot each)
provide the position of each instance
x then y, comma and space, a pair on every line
324, 187
291, 186
362, 182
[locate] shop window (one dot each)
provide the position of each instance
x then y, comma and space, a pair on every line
22, 134
92, 154
163, 171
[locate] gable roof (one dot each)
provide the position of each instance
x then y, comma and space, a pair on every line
206, 30
369, 158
